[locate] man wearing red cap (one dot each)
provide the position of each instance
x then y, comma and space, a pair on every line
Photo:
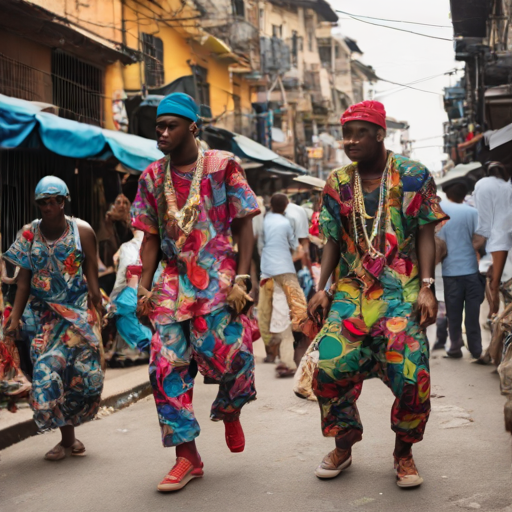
378, 217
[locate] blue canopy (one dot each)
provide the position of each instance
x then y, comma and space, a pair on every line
20, 119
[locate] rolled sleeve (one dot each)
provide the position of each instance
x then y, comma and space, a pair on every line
330, 218
19, 252
241, 198
430, 209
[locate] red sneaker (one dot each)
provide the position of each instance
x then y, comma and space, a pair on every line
180, 475
235, 438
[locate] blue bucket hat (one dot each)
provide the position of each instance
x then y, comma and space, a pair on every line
179, 104
51, 186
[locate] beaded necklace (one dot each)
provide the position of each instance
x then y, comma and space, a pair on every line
185, 218
359, 210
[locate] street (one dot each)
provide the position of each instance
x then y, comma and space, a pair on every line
465, 457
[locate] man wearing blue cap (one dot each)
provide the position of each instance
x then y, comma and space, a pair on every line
58, 296
190, 204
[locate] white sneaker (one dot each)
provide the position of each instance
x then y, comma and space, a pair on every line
334, 463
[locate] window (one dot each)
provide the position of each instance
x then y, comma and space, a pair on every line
21, 81
311, 38
295, 48
238, 8
153, 50
277, 31
202, 85
77, 88
238, 113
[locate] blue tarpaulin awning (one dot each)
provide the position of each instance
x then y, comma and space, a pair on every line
244, 147
20, 120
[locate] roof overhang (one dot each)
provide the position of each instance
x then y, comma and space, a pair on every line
367, 71
321, 7
42, 26
469, 17
246, 148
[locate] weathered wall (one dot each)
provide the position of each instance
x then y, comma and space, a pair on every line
101, 17
30, 77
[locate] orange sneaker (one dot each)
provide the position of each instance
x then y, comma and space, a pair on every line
180, 475
406, 473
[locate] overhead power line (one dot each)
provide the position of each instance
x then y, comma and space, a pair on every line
396, 21
410, 84
356, 18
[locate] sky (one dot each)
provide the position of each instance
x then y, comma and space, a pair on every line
404, 58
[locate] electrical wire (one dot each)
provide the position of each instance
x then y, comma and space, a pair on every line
399, 29
409, 86
428, 147
401, 86
428, 138
395, 21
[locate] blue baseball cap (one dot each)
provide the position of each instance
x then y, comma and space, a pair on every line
51, 186
179, 104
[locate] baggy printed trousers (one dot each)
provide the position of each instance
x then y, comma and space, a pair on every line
222, 349
295, 298
357, 342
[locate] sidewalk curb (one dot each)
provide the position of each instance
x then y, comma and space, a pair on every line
17, 433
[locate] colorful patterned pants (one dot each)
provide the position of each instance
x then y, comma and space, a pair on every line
359, 342
222, 349
67, 380
296, 302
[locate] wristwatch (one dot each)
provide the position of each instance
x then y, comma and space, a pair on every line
428, 281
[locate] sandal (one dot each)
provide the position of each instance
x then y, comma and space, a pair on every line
58, 452
78, 449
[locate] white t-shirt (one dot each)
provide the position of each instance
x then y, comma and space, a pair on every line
493, 200
129, 254
298, 219
278, 242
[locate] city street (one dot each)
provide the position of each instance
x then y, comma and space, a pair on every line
465, 458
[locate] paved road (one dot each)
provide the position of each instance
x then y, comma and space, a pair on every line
465, 457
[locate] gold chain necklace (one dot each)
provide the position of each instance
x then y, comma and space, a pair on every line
185, 218
360, 209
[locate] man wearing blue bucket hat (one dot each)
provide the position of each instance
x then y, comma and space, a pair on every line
190, 204
58, 291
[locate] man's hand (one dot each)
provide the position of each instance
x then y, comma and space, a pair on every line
238, 299
427, 307
95, 302
319, 306
11, 326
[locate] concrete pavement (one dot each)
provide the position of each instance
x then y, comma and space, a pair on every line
465, 457
122, 387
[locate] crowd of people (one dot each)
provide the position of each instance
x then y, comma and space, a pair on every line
203, 269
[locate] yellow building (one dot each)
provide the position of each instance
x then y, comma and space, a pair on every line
176, 55
83, 57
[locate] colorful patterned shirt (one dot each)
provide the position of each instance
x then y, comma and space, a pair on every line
412, 203
196, 279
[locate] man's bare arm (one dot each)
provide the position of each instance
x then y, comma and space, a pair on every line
150, 256
89, 247
242, 229
426, 247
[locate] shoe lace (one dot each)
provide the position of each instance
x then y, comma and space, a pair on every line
406, 466
179, 470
